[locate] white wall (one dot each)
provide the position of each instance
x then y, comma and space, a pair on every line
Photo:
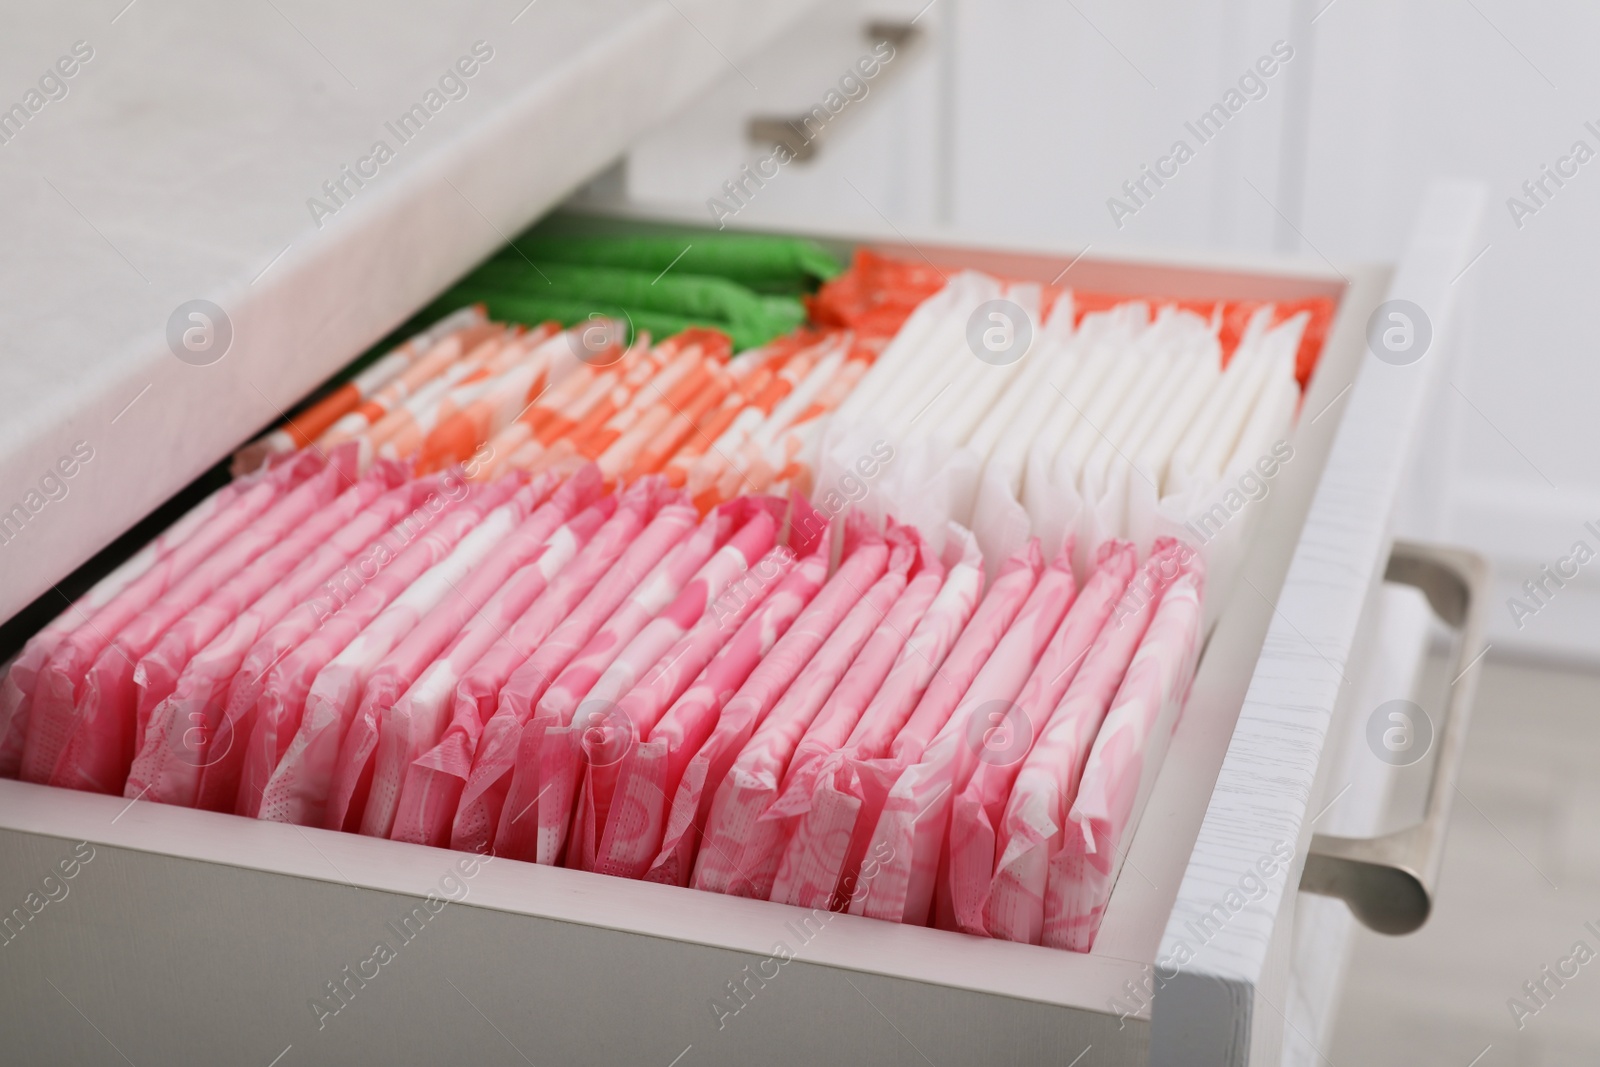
1404, 92
1058, 104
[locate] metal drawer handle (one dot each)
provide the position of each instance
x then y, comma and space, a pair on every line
792, 131
1389, 881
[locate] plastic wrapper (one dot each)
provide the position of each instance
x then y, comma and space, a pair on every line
708, 476
663, 364
310, 424
935, 476
403, 431
506, 668
279, 670
21, 675
837, 804
301, 785
794, 882
1005, 440
901, 416
467, 596
558, 697
55, 688
909, 344
1120, 768
797, 452
557, 410
417, 720
649, 772
872, 778
1175, 342
758, 261
1045, 355
1101, 346
395, 412
491, 405
934, 751
1151, 457
607, 745
1116, 394
976, 814
760, 457
434, 361
202, 695
1218, 518
651, 439
751, 318
670, 437
102, 722
607, 369
1197, 461
157, 670
752, 372
741, 854
990, 725
188, 671
560, 754
865, 560
877, 294
598, 432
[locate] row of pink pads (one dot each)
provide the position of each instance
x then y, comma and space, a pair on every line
755, 701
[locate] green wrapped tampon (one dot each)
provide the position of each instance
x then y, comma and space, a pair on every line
710, 300
765, 263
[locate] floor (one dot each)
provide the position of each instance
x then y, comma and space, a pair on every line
1521, 878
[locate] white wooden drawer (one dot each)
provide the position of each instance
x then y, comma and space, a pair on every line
1352, 798
191, 936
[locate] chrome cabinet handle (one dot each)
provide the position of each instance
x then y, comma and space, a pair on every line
1389, 881
791, 131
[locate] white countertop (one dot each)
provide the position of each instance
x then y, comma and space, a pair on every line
179, 164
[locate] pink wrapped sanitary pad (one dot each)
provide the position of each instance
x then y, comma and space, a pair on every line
53, 720
347, 602
741, 857
212, 677
560, 699
432, 785
194, 661
104, 738
538, 647
649, 773
302, 784
539, 798
607, 745
847, 785
993, 652
562, 754
416, 722
976, 813
891, 811
866, 557
834, 725
21, 675
989, 726
313, 592
157, 671
1118, 774
438, 626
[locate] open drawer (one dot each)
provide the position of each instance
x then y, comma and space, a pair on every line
169, 907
